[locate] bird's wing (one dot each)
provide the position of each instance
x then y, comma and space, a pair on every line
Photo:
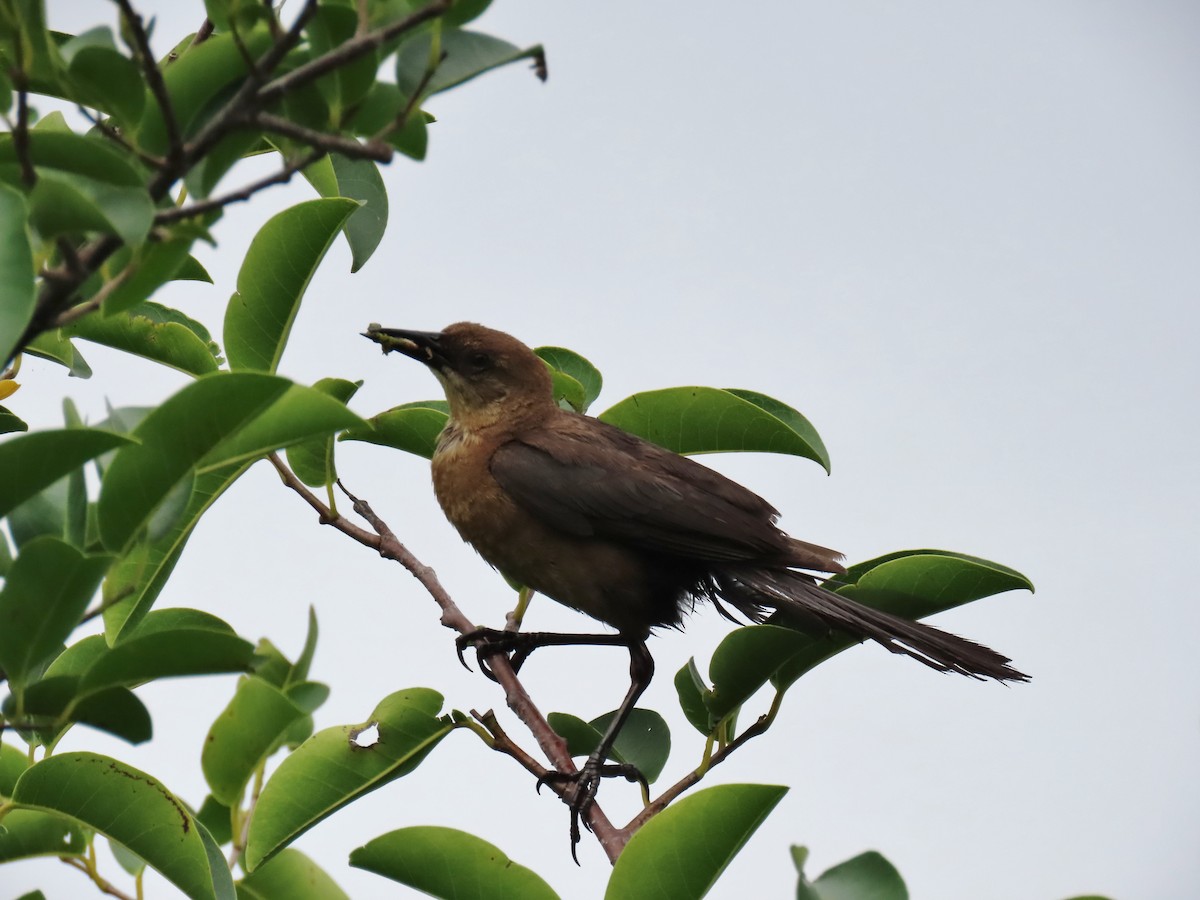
587, 478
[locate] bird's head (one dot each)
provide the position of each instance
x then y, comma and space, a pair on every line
488, 376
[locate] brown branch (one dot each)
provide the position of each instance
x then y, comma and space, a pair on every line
283, 176
349, 51
102, 884
154, 79
387, 545
331, 143
115, 136
21, 132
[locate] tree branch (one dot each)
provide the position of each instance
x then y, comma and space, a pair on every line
331, 143
284, 175
154, 79
387, 545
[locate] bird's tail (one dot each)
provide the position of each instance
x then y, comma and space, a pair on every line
755, 592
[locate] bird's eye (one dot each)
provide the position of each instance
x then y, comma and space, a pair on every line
479, 361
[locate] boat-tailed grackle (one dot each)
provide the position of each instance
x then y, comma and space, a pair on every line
621, 529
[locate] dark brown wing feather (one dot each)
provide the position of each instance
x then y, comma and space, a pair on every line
591, 479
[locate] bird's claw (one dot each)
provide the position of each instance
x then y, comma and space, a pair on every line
582, 793
491, 641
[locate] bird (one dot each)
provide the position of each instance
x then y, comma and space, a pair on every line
625, 531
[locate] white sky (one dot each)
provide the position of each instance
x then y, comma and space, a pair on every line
961, 238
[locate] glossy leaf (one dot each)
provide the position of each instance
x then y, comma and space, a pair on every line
52, 346
359, 179
103, 77
196, 79
244, 734
53, 704
150, 266
10, 422
339, 764
412, 427
298, 673
681, 852
744, 661
131, 807
43, 457
44, 595
139, 576
692, 690
868, 876
381, 107
910, 583
221, 419
169, 643
26, 833
312, 461
290, 876
450, 864
16, 271
281, 261
217, 818
644, 741
710, 420
12, 763
466, 54
343, 88
568, 393
169, 343
571, 363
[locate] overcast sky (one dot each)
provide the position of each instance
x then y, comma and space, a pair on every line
962, 238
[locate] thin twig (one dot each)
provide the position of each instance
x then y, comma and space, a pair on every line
331, 143
102, 884
349, 51
115, 136
21, 133
283, 176
154, 79
97, 299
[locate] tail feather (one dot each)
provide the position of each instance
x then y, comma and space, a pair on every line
755, 592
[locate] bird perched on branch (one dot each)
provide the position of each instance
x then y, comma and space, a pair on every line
621, 529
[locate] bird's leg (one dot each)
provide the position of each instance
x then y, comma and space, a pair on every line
587, 779
490, 641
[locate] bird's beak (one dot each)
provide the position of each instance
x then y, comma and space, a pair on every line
423, 346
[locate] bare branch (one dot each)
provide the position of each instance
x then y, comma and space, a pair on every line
332, 143
21, 132
154, 78
350, 50
284, 175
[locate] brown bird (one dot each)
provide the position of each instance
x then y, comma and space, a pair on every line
621, 529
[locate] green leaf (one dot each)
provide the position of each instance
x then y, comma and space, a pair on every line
103, 77
644, 741
568, 393
346, 86
25, 833
10, 422
140, 575
217, 818
298, 674
450, 864
169, 343
290, 876
196, 80
275, 273
53, 704
910, 583
169, 643
152, 265
243, 736
744, 661
16, 271
681, 852
45, 594
129, 806
312, 461
359, 179
467, 54
127, 859
412, 427
710, 420
383, 104
571, 363
339, 764
868, 876
43, 457
63, 203
692, 691
220, 419
12, 763
52, 346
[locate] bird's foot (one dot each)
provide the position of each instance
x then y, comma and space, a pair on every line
491, 641
580, 789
